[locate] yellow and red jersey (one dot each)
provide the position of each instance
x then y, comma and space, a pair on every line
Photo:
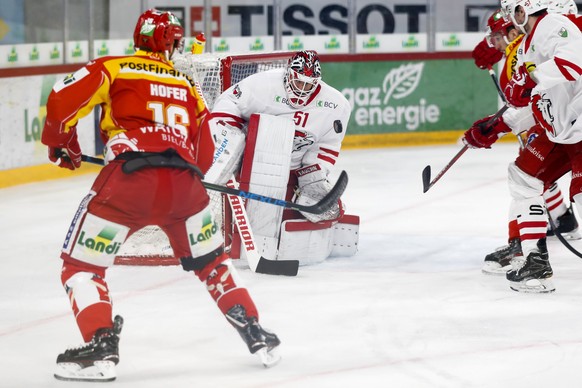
143, 99
510, 65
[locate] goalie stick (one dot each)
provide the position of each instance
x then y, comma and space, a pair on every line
320, 207
257, 263
427, 183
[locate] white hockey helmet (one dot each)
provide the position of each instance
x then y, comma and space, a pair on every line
529, 8
563, 7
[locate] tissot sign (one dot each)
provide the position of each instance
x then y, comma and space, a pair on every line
317, 17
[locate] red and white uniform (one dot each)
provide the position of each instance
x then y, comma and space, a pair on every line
316, 140
147, 106
553, 45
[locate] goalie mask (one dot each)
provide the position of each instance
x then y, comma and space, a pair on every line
498, 25
158, 32
529, 7
302, 76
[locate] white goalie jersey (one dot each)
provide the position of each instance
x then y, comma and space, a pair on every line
319, 126
281, 139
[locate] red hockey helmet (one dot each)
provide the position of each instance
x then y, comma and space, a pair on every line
498, 24
158, 31
302, 76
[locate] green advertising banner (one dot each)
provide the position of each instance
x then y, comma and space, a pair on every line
412, 102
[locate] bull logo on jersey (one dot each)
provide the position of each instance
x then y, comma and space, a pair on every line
542, 111
302, 139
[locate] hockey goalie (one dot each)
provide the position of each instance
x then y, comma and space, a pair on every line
278, 133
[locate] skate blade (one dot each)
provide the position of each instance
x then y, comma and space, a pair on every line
99, 371
533, 286
268, 359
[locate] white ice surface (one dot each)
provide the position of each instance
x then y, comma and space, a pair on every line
411, 309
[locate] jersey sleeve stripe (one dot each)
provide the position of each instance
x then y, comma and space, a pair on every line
326, 158
564, 65
331, 152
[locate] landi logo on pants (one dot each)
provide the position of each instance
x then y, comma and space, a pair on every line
102, 243
379, 105
209, 229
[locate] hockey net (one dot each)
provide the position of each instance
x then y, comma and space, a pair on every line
213, 74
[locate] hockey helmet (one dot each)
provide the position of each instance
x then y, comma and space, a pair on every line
498, 24
529, 7
158, 32
563, 7
302, 76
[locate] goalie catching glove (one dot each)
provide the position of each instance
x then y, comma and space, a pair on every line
483, 134
312, 186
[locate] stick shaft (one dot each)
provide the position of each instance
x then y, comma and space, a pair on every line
427, 186
320, 207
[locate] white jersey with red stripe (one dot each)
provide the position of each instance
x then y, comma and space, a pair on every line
555, 46
320, 126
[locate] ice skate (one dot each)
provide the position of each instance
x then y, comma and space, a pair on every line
500, 261
535, 274
259, 341
567, 226
94, 361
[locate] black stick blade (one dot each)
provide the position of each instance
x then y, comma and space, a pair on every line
426, 179
278, 267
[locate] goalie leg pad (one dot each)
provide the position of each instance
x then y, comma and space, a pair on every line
311, 243
305, 241
265, 171
346, 236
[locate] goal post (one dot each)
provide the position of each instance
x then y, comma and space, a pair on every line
213, 74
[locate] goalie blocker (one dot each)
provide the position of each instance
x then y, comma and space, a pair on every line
284, 234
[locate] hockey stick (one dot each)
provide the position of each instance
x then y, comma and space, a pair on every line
562, 239
503, 98
257, 263
322, 206
427, 183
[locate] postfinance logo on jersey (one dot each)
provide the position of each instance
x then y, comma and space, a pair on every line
373, 108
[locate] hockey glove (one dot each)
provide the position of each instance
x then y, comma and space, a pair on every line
518, 90
483, 134
67, 155
485, 55
313, 186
